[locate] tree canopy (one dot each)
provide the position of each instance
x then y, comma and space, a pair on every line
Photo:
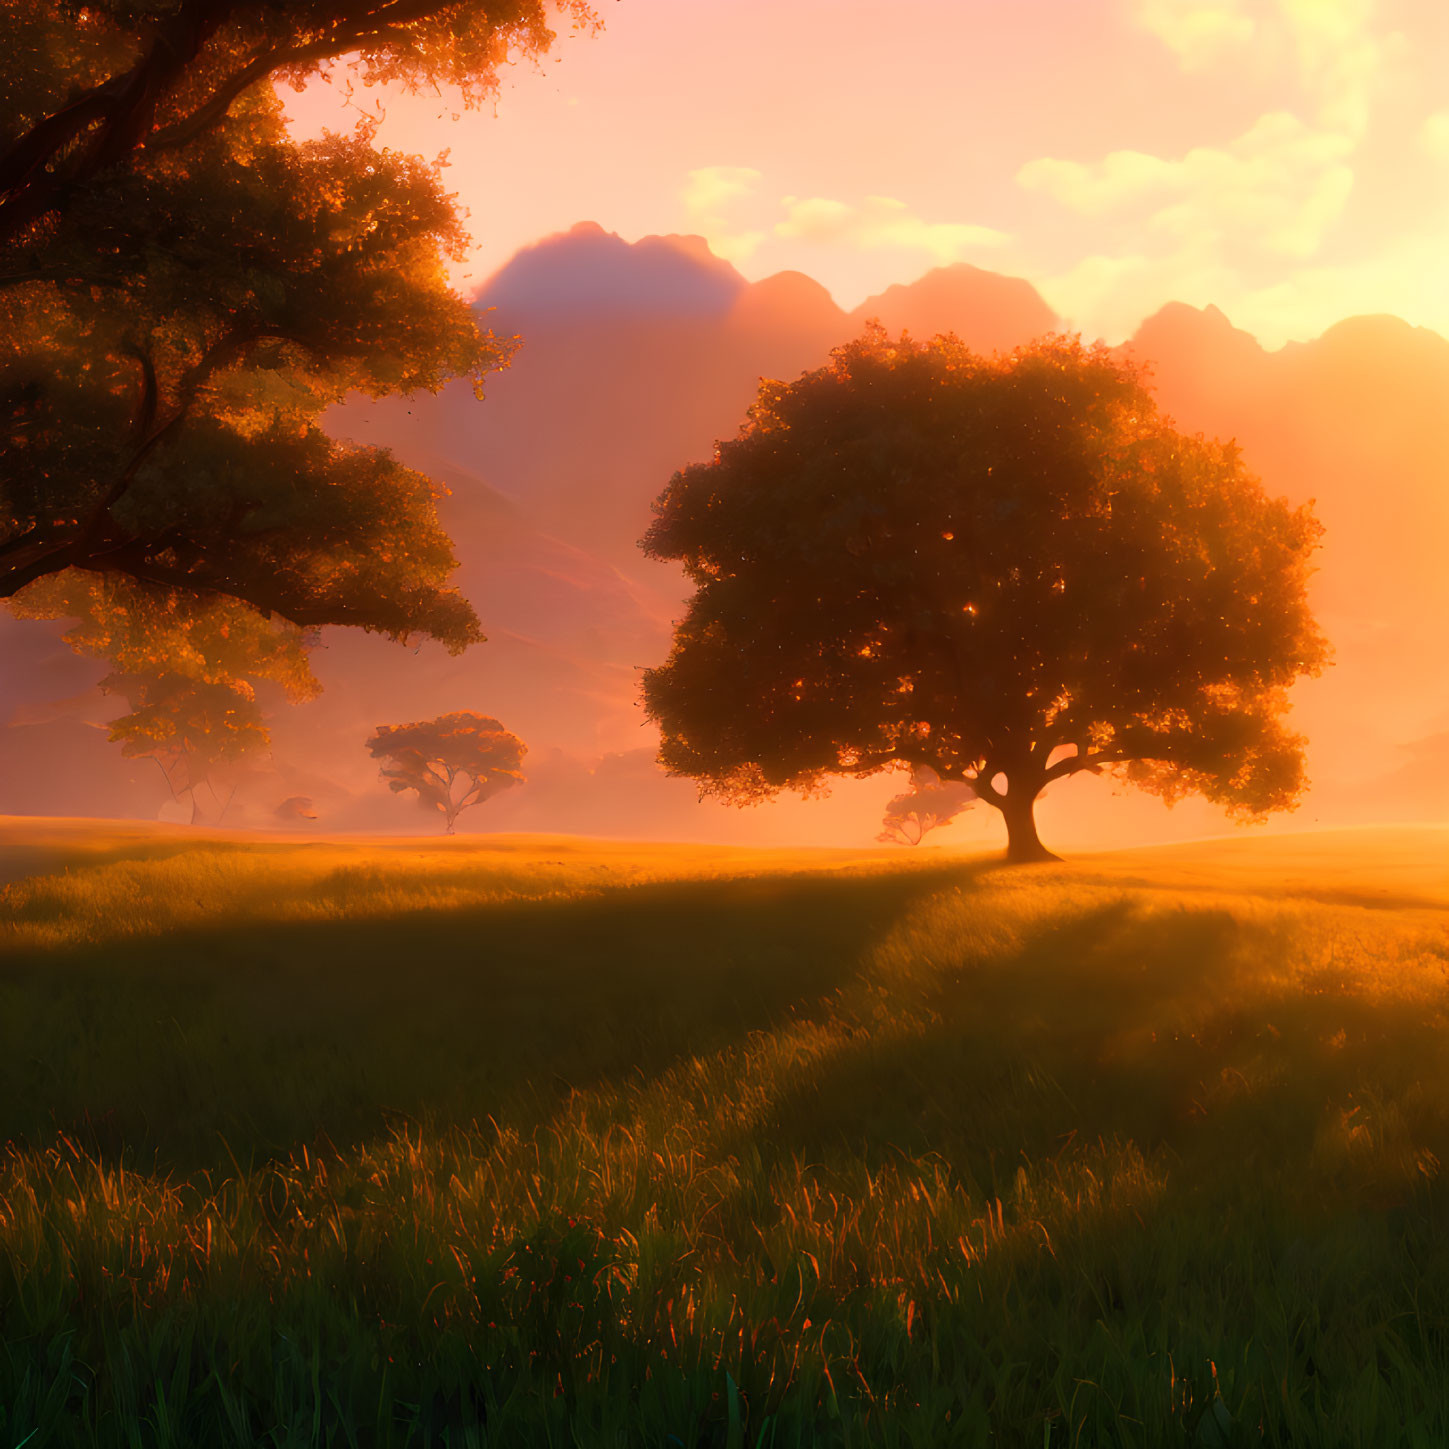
930, 803
184, 289
192, 669
453, 762
1007, 570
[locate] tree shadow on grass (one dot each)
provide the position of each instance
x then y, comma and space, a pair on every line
1293, 1121
275, 1034
1169, 1029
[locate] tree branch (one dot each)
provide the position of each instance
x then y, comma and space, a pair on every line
86, 545
227, 349
58, 274
46, 139
472, 795
338, 43
50, 562
1085, 763
30, 535
985, 790
213, 111
118, 112
150, 391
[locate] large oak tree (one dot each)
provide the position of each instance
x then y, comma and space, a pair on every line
1006, 570
184, 289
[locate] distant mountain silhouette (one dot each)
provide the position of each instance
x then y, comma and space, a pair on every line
637, 357
650, 387
588, 270
1200, 346
1353, 420
988, 312
789, 301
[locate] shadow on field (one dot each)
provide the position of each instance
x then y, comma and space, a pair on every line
274, 1034
1173, 1029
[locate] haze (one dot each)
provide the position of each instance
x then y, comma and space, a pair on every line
1252, 196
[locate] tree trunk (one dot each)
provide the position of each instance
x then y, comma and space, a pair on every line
1023, 844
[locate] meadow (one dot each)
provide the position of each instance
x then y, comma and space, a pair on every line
531, 1141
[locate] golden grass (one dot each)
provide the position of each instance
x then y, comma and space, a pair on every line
537, 1140
94, 881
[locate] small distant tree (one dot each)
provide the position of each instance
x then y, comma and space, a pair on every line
194, 732
190, 669
1011, 570
929, 803
453, 762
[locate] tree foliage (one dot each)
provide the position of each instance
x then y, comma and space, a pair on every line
453, 762
189, 667
929, 803
1007, 570
184, 289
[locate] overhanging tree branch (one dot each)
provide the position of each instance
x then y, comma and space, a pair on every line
1078, 765
117, 113
326, 257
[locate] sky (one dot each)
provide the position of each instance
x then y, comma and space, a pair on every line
1284, 160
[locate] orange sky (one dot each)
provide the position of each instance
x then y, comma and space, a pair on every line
1286, 160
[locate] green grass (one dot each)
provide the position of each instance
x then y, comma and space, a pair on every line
549, 1142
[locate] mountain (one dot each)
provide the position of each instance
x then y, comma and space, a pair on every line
650, 387
988, 312
1354, 422
587, 271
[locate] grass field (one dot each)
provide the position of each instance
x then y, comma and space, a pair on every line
525, 1141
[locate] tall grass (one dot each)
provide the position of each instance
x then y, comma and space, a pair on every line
481, 1149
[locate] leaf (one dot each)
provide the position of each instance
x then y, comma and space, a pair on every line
1215, 1427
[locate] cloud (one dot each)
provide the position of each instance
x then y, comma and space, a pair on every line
709, 194
1332, 49
1278, 188
1434, 136
1120, 178
1199, 32
1108, 296
881, 222
711, 189
1409, 278
724, 204
1260, 224
1342, 62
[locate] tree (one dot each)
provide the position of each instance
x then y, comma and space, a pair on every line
1009, 570
454, 761
189, 667
184, 289
195, 732
929, 803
